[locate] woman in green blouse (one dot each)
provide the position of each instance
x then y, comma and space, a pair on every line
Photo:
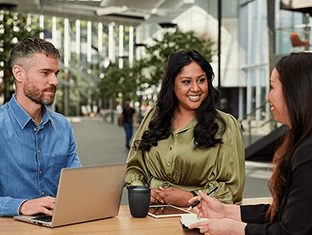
185, 144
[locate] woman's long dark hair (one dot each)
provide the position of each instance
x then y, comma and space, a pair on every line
295, 74
206, 114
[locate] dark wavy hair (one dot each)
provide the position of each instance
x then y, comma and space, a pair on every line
295, 74
159, 127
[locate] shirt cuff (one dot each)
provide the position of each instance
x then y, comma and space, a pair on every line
137, 182
18, 210
11, 207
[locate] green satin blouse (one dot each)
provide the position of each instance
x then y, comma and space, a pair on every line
175, 163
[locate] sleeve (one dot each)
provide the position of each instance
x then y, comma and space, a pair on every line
73, 160
10, 206
137, 173
254, 213
230, 168
297, 215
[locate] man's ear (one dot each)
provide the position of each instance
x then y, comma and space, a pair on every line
18, 72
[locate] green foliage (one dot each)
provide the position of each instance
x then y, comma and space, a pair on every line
159, 52
118, 81
13, 28
128, 80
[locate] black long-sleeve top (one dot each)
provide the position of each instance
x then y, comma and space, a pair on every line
295, 210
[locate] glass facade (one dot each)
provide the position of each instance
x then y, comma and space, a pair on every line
289, 21
253, 40
251, 34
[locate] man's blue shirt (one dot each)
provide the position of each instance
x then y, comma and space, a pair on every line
31, 157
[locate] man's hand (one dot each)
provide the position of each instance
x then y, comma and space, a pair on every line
40, 205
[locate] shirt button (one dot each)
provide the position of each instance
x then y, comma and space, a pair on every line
35, 129
40, 172
170, 148
42, 193
38, 150
169, 164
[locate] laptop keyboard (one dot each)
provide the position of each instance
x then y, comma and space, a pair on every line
46, 218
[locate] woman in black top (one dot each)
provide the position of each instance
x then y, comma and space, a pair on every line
291, 182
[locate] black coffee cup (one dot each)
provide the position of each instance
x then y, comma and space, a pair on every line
139, 200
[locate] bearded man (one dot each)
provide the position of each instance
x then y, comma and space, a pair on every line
35, 143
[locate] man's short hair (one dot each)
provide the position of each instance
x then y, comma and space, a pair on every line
27, 47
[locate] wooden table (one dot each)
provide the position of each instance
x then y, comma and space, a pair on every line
123, 224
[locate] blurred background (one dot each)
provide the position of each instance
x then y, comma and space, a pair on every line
117, 49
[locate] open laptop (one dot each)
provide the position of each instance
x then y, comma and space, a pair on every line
85, 194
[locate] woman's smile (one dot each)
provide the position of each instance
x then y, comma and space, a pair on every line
191, 87
193, 97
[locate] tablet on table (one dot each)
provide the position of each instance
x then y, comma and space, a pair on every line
164, 211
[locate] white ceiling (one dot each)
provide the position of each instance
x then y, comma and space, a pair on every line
125, 12
304, 6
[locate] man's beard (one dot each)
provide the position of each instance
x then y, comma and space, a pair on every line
35, 95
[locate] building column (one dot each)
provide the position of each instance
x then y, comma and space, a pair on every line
258, 83
54, 31
28, 22
100, 51
131, 46
77, 65
111, 43
240, 102
121, 49
54, 42
89, 58
100, 38
249, 87
271, 49
112, 58
66, 64
139, 52
41, 25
